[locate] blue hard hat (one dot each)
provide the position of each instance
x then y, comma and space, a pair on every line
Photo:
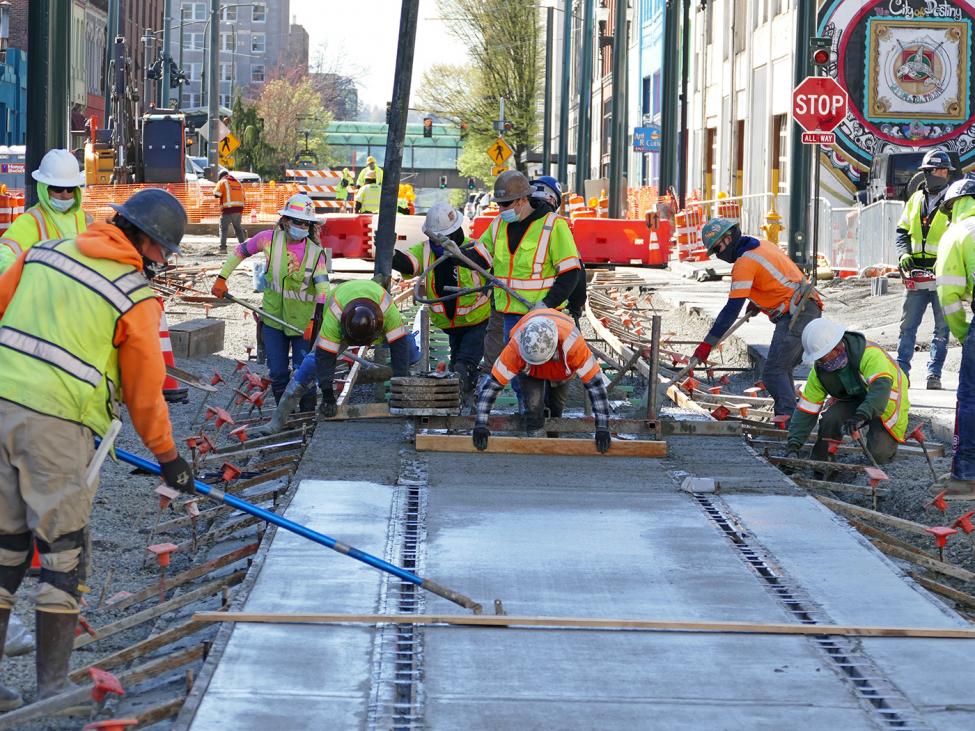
545, 186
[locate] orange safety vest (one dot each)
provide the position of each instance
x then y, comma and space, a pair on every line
573, 354
770, 279
231, 193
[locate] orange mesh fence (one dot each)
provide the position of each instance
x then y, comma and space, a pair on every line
641, 200
262, 200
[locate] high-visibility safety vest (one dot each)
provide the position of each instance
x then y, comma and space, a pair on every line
472, 309
924, 249
874, 364
364, 173
56, 353
342, 191
290, 295
33, 226
770, 279
573, 354
546, 250
231, 193
955, 268
330, 336
368, 196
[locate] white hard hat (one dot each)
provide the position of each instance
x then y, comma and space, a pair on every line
538, 340
442, 220
819, 337
301, 207
59, 168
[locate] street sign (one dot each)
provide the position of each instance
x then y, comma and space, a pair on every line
499, 151
228, 144
819, 104
222, 131
227, 162
647, 138
497, 170
818, 138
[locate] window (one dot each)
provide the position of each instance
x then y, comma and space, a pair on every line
257, 72
192, 41
259, 13
258, 43
228, 13
194, 100
227, 42
780, 154
225, 100
196, 11
710, 161
226, 72
195, 70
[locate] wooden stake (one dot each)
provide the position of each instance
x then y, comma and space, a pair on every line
531, 445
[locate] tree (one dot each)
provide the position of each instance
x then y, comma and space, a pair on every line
288, 105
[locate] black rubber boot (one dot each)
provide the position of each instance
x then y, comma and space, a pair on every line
9, 698
467, 375
55, 641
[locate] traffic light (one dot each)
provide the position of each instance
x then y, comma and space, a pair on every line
428, 126
820, 51
443, 182
471, 184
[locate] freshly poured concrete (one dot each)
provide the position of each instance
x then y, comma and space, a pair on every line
549, 538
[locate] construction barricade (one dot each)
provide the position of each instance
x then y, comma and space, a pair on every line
618, 241
480, 224
347, 235
728, 208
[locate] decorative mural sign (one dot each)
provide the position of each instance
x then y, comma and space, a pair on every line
906, 65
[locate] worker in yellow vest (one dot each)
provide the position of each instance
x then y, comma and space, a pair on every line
295, 290
79, 329
342, 189
370, 170
231, 194
367, 197
58, 212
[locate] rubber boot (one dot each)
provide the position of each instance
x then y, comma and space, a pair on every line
467, 374
9, 698
309, 401
55, 641
286, 404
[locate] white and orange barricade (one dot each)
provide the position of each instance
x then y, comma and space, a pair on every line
728, 208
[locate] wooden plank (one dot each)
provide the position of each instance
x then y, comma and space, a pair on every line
822, 466
491, 620
361, 411
139, 649
218, 534
908, 525
934, 449
839, 487
871, 532
161, 712
531, 445
959, 596
926, 561
566, 425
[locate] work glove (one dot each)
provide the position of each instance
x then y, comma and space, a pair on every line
219, 288
854, 425
436, 248
702, 351
328, 408
752, 309
481, 434
602, 440
178, 474
906, 262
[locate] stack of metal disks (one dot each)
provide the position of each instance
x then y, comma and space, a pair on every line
425, 395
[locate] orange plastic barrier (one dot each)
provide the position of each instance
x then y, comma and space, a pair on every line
480, 224
729, 209
617, 241
347, 235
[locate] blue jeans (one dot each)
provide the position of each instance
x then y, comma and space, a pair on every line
963, 462
510, 320
277, 348
916, 301
466, 344
784, 354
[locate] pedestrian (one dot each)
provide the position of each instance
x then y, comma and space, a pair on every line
867, 387
548, 350
79, 327
231, 194
57, 214
368, 195
770, 280
370, 170
919, 231
464, 319
295, 290
955, 271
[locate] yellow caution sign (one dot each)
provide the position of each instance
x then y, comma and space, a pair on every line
228, 162
499, 151
497, 170
228, 144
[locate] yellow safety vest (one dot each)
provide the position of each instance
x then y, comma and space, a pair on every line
32, 226
924, 249
57, 354
368, 196
472, 309
290, 296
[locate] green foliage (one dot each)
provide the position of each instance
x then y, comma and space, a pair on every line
473, 162
457, 198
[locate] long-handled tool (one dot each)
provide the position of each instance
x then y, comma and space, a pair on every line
455, 252
694, 362
312, 535
918, 435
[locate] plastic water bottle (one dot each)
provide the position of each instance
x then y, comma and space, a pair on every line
260, 272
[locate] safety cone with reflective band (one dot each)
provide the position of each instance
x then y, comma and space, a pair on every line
172, 391
602, 205
728, 208
6, 209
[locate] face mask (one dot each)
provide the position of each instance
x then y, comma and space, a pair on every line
730, 253
509, 215
61, 205
540, 204
297, 233
934, 183
835, 363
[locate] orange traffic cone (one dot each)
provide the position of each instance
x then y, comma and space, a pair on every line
172, 391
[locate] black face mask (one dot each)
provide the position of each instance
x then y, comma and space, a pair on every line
149, 268
540, 204
457, 236
934, 183
730, 253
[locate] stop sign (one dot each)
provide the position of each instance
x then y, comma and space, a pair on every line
819, 104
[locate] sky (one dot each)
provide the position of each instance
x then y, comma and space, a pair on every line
366, 33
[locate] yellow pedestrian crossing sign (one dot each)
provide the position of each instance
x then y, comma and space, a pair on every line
228, 144
497, 170
227, 162
499, 151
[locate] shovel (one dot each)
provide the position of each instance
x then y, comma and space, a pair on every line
694, 362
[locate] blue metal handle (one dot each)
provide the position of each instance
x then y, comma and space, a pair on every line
305, 532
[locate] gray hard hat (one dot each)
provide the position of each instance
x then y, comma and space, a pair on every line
937, 159
158, 215
510, 186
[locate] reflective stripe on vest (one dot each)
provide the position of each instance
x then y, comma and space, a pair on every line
542, 251
46, 254
780, 278
41, 220
50, 353
466, 279
280, 290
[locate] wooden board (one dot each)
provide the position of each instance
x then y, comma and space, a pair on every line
488, 620
533, 445
909, 525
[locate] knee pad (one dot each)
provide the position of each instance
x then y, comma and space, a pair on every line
65, 580
21, 545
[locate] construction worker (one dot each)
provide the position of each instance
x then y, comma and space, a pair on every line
868, 388
295, 290
464, 319
367, 196
548, 350
955, 270
79, 326
231, 194
774, 285
371, 169
58, 212
918, 232
342, 189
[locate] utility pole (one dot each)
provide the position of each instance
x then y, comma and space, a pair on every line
166, 57
547, 125
48, 31
685, 64
113, 10
617, 143
668, 111
213, 94
585, 100
801, 156
182, 24
563, 176
148, 46
399, 108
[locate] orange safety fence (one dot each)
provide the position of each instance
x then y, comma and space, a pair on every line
262, 200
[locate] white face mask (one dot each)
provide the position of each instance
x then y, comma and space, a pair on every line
509, 215
61, 205
297, 232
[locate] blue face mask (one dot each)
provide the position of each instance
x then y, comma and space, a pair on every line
509, 215
61, 205
835, 363
297, 233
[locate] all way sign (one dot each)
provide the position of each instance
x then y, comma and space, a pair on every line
819, 105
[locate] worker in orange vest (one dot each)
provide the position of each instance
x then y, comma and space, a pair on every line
231, 195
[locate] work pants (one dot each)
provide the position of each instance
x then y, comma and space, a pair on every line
881, 444
226, 221
963, 461
541, 396
784, 354
283, 352
43, 496
510, 320
493, 338
466, 343
916, 301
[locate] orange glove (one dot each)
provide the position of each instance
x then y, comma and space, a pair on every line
219, 288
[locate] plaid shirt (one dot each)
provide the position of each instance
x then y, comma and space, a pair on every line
596, 388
